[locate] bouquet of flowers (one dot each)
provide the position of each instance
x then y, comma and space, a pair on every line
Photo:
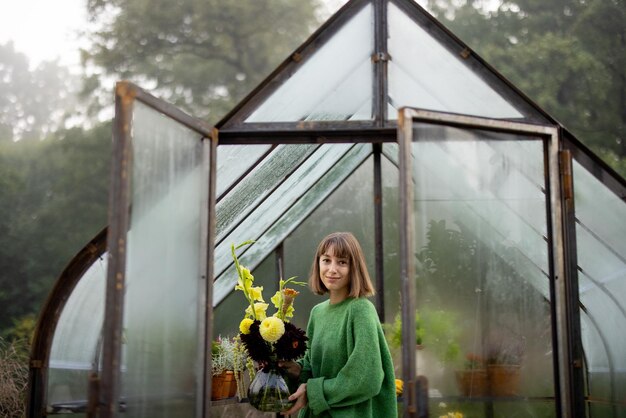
268, 339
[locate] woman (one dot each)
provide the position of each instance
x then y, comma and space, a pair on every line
347, 370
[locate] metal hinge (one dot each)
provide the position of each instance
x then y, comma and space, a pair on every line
380, 56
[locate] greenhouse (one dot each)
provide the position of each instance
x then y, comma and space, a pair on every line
494, 237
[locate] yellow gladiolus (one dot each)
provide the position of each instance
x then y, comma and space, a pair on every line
244, 282
272, 329
259, 311
248, 279
289, 312
277, 299
256, 293
246, 274
244, 325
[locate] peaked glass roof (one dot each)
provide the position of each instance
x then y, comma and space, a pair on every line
334, 84
426, 75
342, 73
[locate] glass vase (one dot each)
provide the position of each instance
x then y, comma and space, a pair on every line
268, 391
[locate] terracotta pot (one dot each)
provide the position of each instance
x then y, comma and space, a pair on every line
217, 384
229, 387
504, 379
223, 386
472, 383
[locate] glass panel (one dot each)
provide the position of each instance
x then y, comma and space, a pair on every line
483, 301
271, 222
233, 161
391, 254
349, 208
76, 339
425, 75
601, 252
259, 184
335, 83
162, 364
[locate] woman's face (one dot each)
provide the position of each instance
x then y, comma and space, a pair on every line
335, 274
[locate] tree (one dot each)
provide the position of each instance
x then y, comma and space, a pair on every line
33, 103
200, 55
569, 56
54, 200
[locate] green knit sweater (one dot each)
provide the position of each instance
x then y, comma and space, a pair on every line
347, 367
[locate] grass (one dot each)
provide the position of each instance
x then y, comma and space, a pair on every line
13, 377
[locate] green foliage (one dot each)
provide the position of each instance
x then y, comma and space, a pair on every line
455, 264
569, 56
201, 55
437, 330
448, 254
54, 200
486, 283
228, 354
22, 329
215, 348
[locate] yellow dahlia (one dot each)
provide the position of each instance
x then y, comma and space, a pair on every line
399, 387
244, 325
272, 329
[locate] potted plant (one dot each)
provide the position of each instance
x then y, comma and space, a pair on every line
229, 360
472, 380
504, 359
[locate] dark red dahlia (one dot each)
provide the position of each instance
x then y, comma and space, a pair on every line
258, 349
292, 345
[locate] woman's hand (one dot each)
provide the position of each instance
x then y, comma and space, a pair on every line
291, 368
301, 400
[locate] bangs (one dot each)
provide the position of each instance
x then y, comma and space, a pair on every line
337, 247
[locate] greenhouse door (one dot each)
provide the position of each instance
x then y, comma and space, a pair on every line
160, 247
481, 246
